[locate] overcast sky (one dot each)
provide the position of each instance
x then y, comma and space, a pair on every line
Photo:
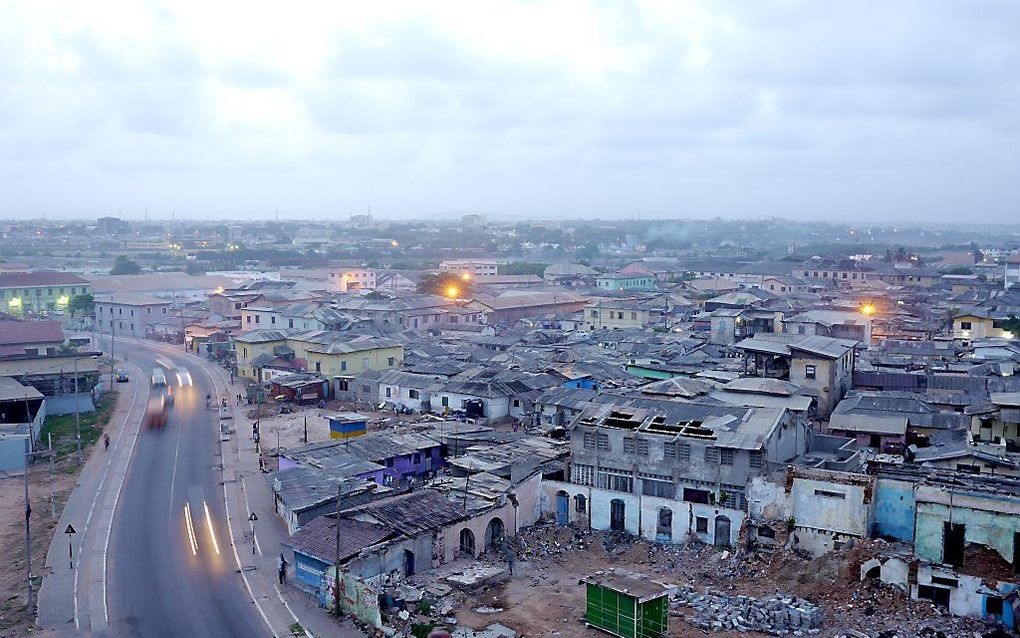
823, 110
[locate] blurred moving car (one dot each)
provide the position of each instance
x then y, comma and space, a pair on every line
122, 376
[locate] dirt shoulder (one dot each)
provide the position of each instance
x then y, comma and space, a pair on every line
48, 493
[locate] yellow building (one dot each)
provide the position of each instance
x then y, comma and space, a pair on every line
979, 324
23, 292
249, 346
350, 358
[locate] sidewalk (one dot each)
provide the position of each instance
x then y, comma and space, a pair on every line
248, 491
75, 599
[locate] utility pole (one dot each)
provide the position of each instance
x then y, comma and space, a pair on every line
336, 563
53, 478
77, 413
113, 342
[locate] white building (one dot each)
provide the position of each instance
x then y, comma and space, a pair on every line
130, 315
351, 279
1012, 275
476, 267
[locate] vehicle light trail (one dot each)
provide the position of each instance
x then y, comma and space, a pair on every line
191, 530
212, 532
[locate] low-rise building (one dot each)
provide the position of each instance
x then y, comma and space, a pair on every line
831, 323
130, 315
621, 281
25, 292
822, 366
352, 279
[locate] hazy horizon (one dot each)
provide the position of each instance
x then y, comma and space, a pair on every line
865, 113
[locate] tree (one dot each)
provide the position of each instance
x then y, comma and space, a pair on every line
1012, 325
83, 304
446, 284
959, 270
124, 266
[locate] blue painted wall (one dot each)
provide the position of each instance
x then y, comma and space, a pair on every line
582, 384
894, 509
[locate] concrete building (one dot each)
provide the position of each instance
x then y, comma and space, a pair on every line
621, 281
672, 471
352, 279
830, 323
30, 292
822, 366
1011, 276
130, 315
474, 267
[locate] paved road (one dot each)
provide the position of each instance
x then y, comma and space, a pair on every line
166, 577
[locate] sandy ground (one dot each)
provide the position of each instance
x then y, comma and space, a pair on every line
14, 617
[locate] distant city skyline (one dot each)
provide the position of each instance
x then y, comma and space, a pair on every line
857, 113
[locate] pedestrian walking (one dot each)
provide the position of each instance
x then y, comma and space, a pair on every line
281, 565
238, 398
106, 442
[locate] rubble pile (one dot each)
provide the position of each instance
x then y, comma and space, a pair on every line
778, 615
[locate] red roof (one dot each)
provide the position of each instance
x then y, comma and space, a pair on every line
28, 332
45, 278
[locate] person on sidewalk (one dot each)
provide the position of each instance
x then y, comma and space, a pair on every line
281, 564
106, 441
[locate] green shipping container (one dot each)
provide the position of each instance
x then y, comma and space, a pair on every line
626, 607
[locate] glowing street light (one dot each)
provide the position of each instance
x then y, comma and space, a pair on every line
466, 276
868, 309
451, 292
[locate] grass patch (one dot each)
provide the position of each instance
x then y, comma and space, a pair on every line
63, 430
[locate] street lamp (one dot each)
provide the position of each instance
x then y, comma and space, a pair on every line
251, 519
451, 292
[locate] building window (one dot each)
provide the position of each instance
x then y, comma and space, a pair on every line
683, 452
602, 441
248, 319
757, 460
809, 372
628, 445
726, 456
701, 524
612, 480
413, 394
669, 450
830, 494
589, 440
258, 318
343, 365
642, 447
389, 392
580, 504
965, 325
390, 361
712, 455
272, 319
661, 489
364, 362
583, 475
445, 401
633, 315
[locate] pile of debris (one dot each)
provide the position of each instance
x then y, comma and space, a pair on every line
778, 615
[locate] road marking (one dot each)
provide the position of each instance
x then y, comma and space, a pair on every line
95, 499
248, 508
191, 529
113, 515
291, 611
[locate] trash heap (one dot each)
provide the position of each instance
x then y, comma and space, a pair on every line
778, 615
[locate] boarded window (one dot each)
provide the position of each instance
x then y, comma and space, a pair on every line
642, 447
669, 450
726, 456
589, 440
757, 460
683, 452
628, 445
602, 441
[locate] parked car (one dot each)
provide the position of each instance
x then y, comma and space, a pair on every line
122, 376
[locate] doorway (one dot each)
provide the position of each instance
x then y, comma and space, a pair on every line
562, 508
408, 563
617, 515
722, 531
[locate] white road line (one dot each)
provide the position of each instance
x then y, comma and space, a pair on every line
95, 499
247, 507
113, 516
291, 611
